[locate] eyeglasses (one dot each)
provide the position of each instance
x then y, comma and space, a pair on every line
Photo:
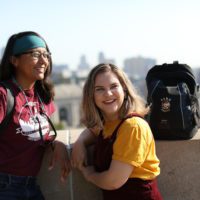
37, 55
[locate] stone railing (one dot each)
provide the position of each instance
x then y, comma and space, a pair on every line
179, 178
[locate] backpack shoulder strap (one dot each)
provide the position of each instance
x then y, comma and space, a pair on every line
10, 105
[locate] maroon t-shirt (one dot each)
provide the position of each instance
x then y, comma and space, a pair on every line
21, 148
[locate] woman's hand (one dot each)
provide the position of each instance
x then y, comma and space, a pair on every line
87, 171
60, 156
111, 179
79, 149
79, 155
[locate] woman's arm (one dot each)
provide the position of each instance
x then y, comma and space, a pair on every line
78, 156
60, 156
113, 178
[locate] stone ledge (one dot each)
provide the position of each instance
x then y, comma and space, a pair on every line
179, 178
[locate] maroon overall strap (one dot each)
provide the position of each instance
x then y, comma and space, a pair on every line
104, 148
113, 137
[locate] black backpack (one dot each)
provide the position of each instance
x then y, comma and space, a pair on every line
10, 105
173, 97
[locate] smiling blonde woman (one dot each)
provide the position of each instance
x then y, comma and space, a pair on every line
125, 162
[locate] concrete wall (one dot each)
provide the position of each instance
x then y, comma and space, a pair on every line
179, 178
180, 169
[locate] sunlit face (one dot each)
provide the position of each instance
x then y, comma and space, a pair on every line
29, 68
108, 95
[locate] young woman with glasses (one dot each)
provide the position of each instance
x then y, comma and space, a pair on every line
125, 162
26, 66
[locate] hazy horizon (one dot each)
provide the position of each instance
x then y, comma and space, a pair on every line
161, 30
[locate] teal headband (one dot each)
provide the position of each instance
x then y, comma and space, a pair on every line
27, 42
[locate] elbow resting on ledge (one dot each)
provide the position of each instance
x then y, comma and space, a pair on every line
107, 180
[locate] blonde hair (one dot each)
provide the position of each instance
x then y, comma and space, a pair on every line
133, 102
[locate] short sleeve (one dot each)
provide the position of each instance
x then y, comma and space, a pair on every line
3, 103
50, 108
133, 142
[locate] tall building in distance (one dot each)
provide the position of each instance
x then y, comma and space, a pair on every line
103, 59
83, 65
137, 67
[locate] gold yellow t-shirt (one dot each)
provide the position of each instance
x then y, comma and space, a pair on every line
135, 145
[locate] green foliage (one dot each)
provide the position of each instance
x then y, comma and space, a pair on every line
59, 126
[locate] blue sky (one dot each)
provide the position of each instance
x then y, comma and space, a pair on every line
165, 30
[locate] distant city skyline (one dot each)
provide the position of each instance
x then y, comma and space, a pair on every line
160, 30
